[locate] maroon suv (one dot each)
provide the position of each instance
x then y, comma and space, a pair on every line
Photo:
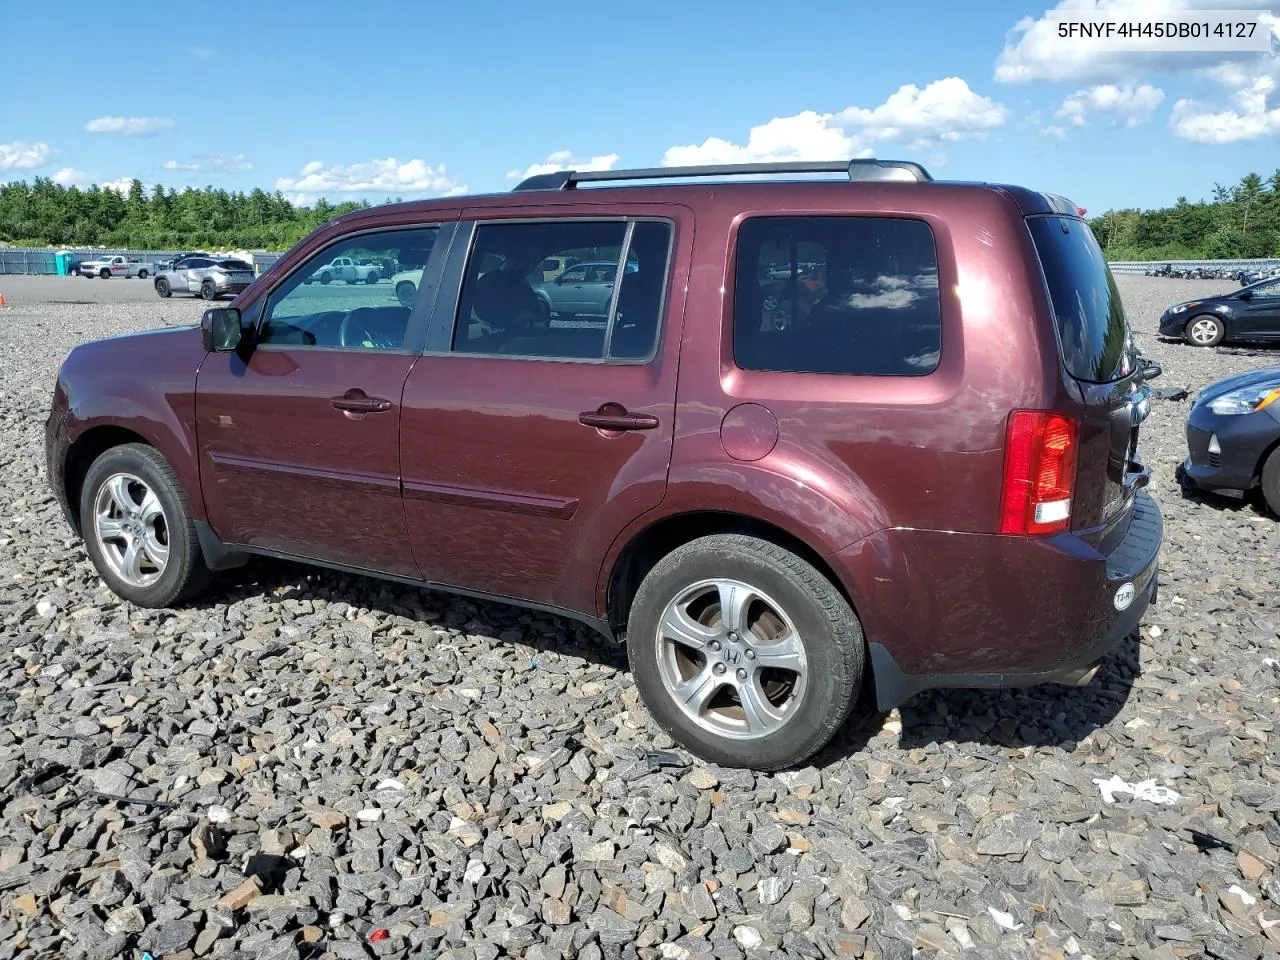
805, 430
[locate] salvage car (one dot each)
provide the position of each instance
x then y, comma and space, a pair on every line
206, 277
929, 479
1233, 436
1251, 313
345, 268
108, 267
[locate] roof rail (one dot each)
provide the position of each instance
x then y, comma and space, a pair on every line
857, 169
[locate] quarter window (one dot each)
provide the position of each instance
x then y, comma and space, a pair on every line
515, 304
356, 294
842, 295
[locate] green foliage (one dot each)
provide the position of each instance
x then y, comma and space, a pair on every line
44, 212
1241, 222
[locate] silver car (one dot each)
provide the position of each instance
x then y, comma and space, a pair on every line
208, 277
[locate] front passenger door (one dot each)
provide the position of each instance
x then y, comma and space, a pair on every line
299, 438
1259, 316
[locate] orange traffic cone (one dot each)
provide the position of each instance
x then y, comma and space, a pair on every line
2, 303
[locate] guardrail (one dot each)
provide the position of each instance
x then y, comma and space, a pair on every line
1142, 266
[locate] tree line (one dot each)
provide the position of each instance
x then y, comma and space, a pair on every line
44, 212
1240, 221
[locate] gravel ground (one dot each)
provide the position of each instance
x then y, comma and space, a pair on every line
318, 765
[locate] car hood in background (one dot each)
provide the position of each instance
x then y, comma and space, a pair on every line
1246, 379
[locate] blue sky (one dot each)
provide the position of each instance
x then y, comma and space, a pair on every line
377, 99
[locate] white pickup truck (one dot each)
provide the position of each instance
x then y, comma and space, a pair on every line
344, 268
107, 267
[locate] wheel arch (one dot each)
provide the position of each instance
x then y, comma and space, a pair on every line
84, 450
650, 544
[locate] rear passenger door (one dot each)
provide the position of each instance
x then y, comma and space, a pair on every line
529, 441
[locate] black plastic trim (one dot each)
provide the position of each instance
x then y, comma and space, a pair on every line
225, 556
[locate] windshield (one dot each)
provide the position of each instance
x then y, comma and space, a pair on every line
1097, 344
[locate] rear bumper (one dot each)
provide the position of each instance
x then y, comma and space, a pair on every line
969, 610
1243, 439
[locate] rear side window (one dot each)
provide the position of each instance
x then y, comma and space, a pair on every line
1097, 344
844, 295
512, 306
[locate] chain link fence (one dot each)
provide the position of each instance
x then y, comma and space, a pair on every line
44, 260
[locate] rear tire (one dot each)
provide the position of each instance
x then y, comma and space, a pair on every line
209, 290
795, 652
142, 471
163, 288
406, 293
1271, 481
1205, 330
372, 278
142, 274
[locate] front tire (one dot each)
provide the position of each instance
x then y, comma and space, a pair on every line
766, 686
1205, 330
325, 278
104, 274
1271, 481
163, 288
137, 528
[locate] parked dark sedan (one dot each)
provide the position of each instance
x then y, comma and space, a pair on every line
1233, 436
1250, 313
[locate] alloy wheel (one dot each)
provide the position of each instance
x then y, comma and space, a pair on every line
731, 659
131, 529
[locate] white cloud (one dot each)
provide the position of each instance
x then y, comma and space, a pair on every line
20, 155
71, 177
216, 162
944, 111
119, 185
1129, 104
129, 126
805, 136
1253, 115
1033, 51
1055, 131
201, 53
564, 160
228, 163
388, 176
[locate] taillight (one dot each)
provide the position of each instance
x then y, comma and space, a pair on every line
1039, 472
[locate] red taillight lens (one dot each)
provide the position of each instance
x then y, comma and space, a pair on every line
1039, 473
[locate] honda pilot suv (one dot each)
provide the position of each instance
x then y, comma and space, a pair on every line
825, 435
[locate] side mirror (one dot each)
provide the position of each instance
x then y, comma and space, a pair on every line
1246, 295
220, 329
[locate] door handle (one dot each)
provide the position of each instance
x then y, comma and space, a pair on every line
617, 421
360, 404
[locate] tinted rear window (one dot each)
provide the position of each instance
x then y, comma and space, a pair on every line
235, 265
837, 294
1097, 344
